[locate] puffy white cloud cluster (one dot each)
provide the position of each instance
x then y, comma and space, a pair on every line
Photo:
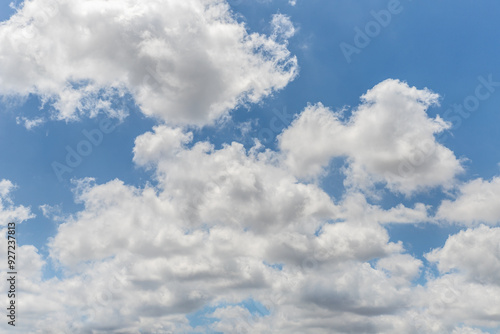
225, 227
477, 202
467, 288
473, 252
184, 62
229, 225
389, 138
240, 227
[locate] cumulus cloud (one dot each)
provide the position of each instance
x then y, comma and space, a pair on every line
163, 142
467, 330
388, 139
222, 227
450, 301
402, 266
229, 225
225, 226
465, 293
8, 211
477, 202
184, 62
473, 252
355, 205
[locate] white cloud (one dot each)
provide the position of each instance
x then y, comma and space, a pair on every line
222, 226
8, 211
183, 62
282, 26
213, 232
467, 330
53, 213
477, 202
165, 142
474, 252
354, 205
236, 319
466, 293
355, 288
6, 187
30, 123
450, 301
389, 138
401, 266
228, 225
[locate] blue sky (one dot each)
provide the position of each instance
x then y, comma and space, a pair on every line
448, 47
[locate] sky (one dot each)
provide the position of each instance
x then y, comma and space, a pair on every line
237, 166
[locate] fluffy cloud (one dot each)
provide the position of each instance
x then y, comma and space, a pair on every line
5, 188
239, 228
474, 252
229, 226
466, 290
355, 205
222, 229
403, 266
477, 202
152, 147
452, 299
467, 330
8, 211
183, 62
389, 138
